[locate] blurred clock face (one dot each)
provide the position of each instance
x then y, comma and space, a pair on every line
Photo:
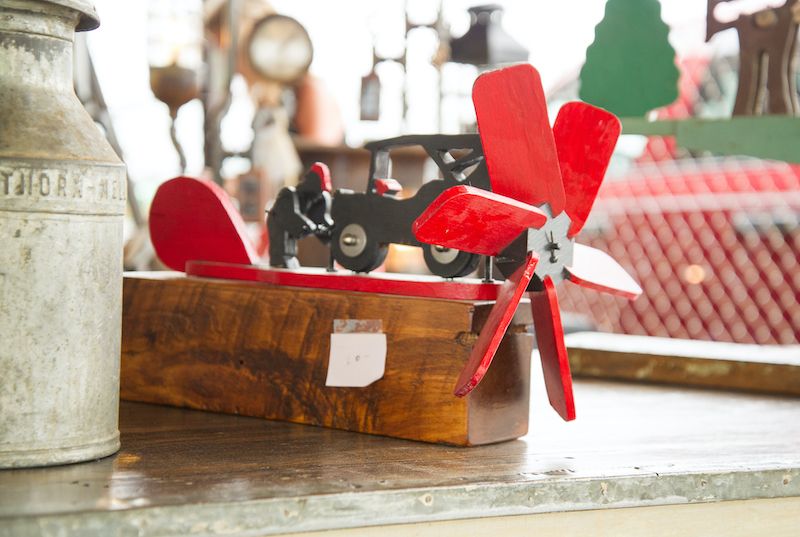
280, 49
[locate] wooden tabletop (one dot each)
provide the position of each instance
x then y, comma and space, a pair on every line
186, 472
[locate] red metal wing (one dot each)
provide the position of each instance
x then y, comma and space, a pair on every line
508, 297
475, 220
552, 350
585, 137
193, 219
597, 270
516, 136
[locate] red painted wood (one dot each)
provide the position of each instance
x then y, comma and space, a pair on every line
475, 220
195, 219
375, 282
597, 270
508, 298
392, 186
553, 352
324, 174
585, 137
516, 136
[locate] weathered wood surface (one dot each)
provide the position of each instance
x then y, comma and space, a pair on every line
262, 351
183, 472
756, 368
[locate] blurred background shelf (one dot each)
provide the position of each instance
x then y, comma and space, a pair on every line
771, 369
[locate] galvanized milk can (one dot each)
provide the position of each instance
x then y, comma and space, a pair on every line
62, 196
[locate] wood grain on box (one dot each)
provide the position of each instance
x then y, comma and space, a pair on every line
259, 350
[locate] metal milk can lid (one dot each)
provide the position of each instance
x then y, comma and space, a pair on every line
89, 19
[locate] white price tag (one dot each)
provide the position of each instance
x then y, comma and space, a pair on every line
356, 360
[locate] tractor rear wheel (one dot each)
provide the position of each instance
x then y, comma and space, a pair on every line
448, 262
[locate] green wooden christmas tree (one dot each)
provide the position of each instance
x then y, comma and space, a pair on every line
630, 67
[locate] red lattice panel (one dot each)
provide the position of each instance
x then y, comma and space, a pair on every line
714, 244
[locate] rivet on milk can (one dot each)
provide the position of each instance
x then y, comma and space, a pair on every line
62, 198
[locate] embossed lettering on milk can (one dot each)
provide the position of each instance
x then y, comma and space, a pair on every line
62, 197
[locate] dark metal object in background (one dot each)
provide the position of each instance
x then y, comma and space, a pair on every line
175, 86
279, 49
486, 42
216, 92
370, 103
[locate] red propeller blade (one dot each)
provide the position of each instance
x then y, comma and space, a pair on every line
508, 297
516, 136
193, 219
597, 270
553, 352
475, 220
585, 137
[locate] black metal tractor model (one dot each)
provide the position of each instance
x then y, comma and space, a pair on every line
360, 226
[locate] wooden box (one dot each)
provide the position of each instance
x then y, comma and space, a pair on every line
259, 350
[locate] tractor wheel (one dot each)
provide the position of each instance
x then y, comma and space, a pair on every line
354, 249
448, 262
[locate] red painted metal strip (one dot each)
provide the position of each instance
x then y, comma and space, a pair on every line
553, 352
508, 298
475, 220
375, 282
516, 136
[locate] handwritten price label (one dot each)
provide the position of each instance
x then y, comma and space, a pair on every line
356, 359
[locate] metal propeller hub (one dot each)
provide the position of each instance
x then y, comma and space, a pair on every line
551, 244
